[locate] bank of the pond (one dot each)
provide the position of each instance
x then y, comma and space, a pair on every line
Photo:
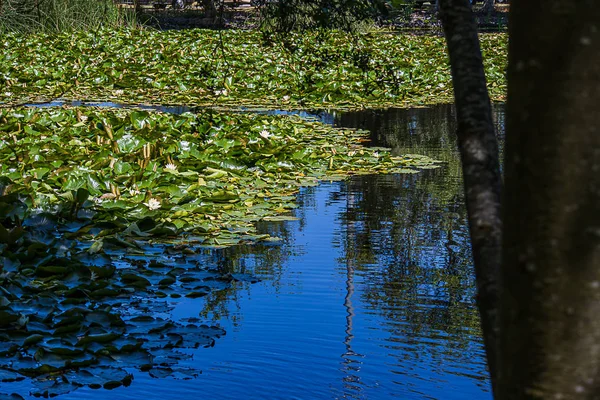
237, 68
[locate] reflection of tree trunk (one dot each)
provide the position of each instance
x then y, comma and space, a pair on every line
550, 343
479, 154
349, 369
348, 361
348, 306
452, 264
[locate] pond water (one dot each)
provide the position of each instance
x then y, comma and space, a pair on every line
369, 296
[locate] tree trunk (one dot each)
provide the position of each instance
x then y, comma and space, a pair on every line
210, 8
488, 7
479, 154
550, 305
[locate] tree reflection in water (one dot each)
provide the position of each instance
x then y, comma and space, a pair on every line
370, 293
406, 235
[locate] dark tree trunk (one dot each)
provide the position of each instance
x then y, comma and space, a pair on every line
550, 321
479, 153
488, 7
210, 8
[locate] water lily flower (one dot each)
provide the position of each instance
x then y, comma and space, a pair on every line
171, 167
8, 94
286, 98
134, 192
221, 92
153, 204
185, 145
118, 92
265, 133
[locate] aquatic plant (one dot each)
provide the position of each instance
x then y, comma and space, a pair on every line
206, 174
237, 68
84, 190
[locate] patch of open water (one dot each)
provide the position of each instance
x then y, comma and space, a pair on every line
370, 296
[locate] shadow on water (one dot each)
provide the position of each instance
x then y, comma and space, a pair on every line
370, 296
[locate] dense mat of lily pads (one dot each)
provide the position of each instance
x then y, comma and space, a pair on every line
197, 67
103, 213
210, 175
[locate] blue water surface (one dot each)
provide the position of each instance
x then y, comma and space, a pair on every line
370, 294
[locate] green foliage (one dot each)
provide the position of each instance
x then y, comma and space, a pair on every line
83, 190
300, 15
151, 174
28, 16
237, 68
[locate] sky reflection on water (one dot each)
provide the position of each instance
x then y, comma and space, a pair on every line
370, 296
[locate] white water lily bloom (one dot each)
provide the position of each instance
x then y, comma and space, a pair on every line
286, 98
153, 204
8, 94
221, 92
185, 145
118, 92
171, 167
134, 192
265, 133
